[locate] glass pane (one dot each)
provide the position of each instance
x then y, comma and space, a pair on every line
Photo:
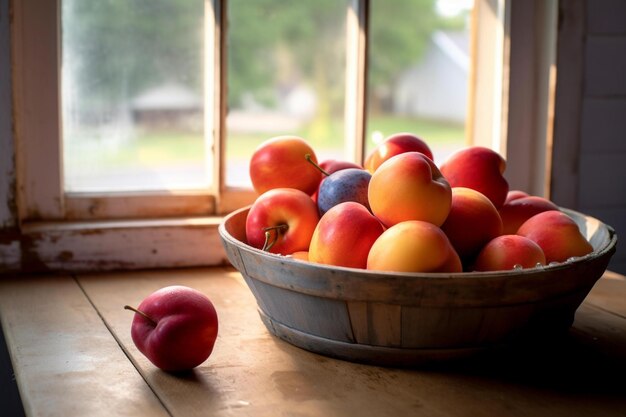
286, 75
419, 66
132, 95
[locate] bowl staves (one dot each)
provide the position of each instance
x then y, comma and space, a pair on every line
405, 319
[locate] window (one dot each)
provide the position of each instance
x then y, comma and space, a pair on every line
191, 100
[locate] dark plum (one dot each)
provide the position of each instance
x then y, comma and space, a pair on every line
346, 185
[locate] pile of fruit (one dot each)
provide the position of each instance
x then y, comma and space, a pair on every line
402, 212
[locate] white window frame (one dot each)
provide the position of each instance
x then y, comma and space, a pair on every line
123, 230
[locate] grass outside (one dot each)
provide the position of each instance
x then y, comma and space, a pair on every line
153, 149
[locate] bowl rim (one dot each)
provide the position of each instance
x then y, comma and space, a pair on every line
608, 247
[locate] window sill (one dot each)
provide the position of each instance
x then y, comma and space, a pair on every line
112, 245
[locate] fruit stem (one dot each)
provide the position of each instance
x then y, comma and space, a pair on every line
268, 232
320, 169
141, 313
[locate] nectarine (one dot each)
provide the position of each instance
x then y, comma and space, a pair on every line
409, 186
557, 234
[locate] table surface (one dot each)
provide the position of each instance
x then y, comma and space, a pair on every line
69, 341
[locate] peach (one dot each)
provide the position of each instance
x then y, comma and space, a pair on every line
480, 169
505, 252
409, 186
281, 162
281, 220
557, 234
395, 145
473, 221
517, 211
301, 255
344, 236
413, 246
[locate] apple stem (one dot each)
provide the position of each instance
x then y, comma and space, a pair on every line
141, 313
308, 158
267, 245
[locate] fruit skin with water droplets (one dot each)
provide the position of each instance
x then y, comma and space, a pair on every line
508, 251
557, 234
291, 216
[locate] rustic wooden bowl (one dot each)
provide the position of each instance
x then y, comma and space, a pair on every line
407, 319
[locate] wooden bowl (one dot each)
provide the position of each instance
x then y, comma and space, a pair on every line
407, 319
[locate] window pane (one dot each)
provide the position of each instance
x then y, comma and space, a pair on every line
286, 75
132, 95
419, 66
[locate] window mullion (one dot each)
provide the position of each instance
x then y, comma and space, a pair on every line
36, 46
356, 78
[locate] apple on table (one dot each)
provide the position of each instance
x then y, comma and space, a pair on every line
175, 328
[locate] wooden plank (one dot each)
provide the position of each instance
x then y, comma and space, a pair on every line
384, 324
36, 75
65, 359
138, 205
300, 311
252, 373
603, 294
91, 246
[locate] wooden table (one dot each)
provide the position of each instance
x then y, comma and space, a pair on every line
70, 346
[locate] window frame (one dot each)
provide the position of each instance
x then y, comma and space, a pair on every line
45, 215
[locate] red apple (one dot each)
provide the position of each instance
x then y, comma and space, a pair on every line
344, 236
409, 187
394, 145
175, 328
281, 162
480, 169
281, 220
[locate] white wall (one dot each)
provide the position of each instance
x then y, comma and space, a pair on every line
589, 172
